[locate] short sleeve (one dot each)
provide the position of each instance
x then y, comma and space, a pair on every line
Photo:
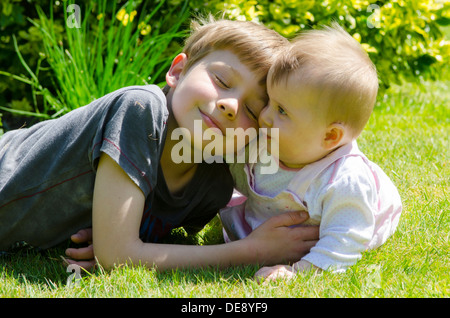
133, 135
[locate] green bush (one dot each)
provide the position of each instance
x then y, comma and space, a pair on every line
52, 68
99, 49
403, 38
13, 22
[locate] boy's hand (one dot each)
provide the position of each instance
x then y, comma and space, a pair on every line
83, 256
276, 241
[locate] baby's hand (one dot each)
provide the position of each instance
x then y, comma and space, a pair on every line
275, 272
284, 271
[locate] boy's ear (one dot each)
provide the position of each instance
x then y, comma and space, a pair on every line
334, 135
176, 68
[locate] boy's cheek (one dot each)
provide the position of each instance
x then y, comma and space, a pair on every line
247, 123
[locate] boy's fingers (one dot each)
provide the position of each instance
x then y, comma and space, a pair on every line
82, 236
82, 253
290, 218
307, 233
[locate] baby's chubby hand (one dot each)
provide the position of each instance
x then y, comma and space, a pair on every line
275, 272
284, 271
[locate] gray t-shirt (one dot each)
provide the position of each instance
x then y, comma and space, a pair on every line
47, 171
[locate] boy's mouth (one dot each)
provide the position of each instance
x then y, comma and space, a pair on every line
211, 122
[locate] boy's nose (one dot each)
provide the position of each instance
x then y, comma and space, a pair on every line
229, 107
265, 119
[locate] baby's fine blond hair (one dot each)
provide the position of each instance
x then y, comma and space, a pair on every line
333, 64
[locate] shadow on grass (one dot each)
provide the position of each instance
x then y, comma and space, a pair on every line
33, 266
27, 266
211, 275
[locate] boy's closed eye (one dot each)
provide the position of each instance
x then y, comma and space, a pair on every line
221, 82
251, 113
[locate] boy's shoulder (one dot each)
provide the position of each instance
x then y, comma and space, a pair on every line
144, 93
139, 101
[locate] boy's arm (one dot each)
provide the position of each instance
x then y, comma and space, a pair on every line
117, 212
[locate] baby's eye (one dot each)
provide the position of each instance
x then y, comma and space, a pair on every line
281, 110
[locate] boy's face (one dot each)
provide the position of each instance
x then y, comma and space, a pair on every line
301, 129
219, 91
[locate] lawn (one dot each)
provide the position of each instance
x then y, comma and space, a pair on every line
408, 136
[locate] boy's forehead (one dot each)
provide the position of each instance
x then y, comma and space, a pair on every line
226, 58
226, 55
226, 67
230, 62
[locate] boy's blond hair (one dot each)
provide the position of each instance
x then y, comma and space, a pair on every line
254, 44
333, 64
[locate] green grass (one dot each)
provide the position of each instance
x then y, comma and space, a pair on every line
408, 136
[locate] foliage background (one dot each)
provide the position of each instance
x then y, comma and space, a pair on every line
403, 38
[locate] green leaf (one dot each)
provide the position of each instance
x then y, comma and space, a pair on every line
443, 21
426, 59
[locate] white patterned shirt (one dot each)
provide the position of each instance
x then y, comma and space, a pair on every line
354, 201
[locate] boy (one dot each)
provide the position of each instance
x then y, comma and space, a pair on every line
110, 163
322, 91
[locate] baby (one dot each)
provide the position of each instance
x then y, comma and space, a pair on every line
322, 90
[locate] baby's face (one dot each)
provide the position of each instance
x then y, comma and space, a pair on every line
293, 110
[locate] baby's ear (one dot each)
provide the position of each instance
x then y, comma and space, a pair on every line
176, 68
334, 136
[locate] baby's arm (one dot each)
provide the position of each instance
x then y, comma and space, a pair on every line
117, 212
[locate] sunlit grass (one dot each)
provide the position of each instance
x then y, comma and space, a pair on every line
408, 136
